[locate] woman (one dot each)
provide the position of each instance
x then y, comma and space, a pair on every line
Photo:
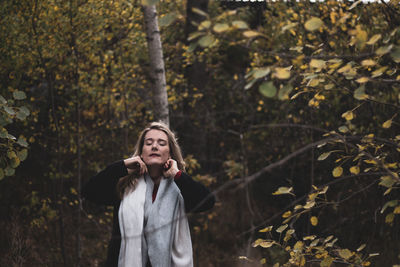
151, 193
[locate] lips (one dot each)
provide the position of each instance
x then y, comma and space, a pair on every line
154, 155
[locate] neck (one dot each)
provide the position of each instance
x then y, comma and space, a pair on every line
155, 173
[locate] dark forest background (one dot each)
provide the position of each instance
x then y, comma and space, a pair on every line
288, 111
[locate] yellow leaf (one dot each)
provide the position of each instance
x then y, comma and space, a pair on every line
314, 221
396, 210
267, 244
283, 190
337, 172
239, 24
309, 204
368, 62
362, 80
389, 218
361, 37
221, 27
345, 253
313, 24
387, 124
282, 73
299, 245
317, 63
266, 229
374, 39
286, 214
355, 170
263, 261
348, 115
204, 25
361, 247
310, 237
251, 34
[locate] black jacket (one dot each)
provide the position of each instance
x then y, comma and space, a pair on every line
101, 189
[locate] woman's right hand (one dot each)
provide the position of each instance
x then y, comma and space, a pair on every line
135, 165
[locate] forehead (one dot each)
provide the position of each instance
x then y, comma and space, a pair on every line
156, 135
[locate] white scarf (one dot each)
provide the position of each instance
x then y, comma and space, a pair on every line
157, 231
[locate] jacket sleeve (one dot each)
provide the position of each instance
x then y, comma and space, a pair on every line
101, 188
197, 197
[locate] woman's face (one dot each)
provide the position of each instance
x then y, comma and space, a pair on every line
155, 149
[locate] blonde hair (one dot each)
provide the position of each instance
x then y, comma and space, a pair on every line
128, 183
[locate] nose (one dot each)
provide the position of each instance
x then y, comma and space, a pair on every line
154, 146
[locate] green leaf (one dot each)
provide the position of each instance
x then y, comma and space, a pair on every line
261, 72
1, 174
11, 154
24, 110
391, 204
267, 89
10, 136
396, 54
21, 115
360, 94
387, 181
199, 12
206, 41
19, 95
240, 24
192, 47
383, 50
194, 35
284, 92
23, 154
313, 24
324, 156
9, 110
14, 162
250, 84
220, 27
167, 19
281, 228
21, 141
343, 129
8, 171
3, 100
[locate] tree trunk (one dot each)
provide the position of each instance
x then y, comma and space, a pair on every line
157, 68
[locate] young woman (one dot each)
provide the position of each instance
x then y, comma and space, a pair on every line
150, 193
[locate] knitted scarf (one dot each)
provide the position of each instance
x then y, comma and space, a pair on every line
157, 231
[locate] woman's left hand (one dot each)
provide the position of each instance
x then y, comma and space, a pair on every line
170, 168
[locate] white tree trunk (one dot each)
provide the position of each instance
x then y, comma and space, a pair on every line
157, 68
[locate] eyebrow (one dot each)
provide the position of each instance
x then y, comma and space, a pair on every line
159, 139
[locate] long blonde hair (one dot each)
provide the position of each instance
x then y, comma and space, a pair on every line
127, 183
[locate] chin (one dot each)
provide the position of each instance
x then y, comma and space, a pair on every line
154, 162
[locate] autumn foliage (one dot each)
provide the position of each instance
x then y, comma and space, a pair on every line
287, 110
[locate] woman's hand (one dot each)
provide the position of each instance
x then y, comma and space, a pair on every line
135, 165
170, 169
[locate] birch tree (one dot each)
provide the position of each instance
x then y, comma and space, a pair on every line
157, 68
